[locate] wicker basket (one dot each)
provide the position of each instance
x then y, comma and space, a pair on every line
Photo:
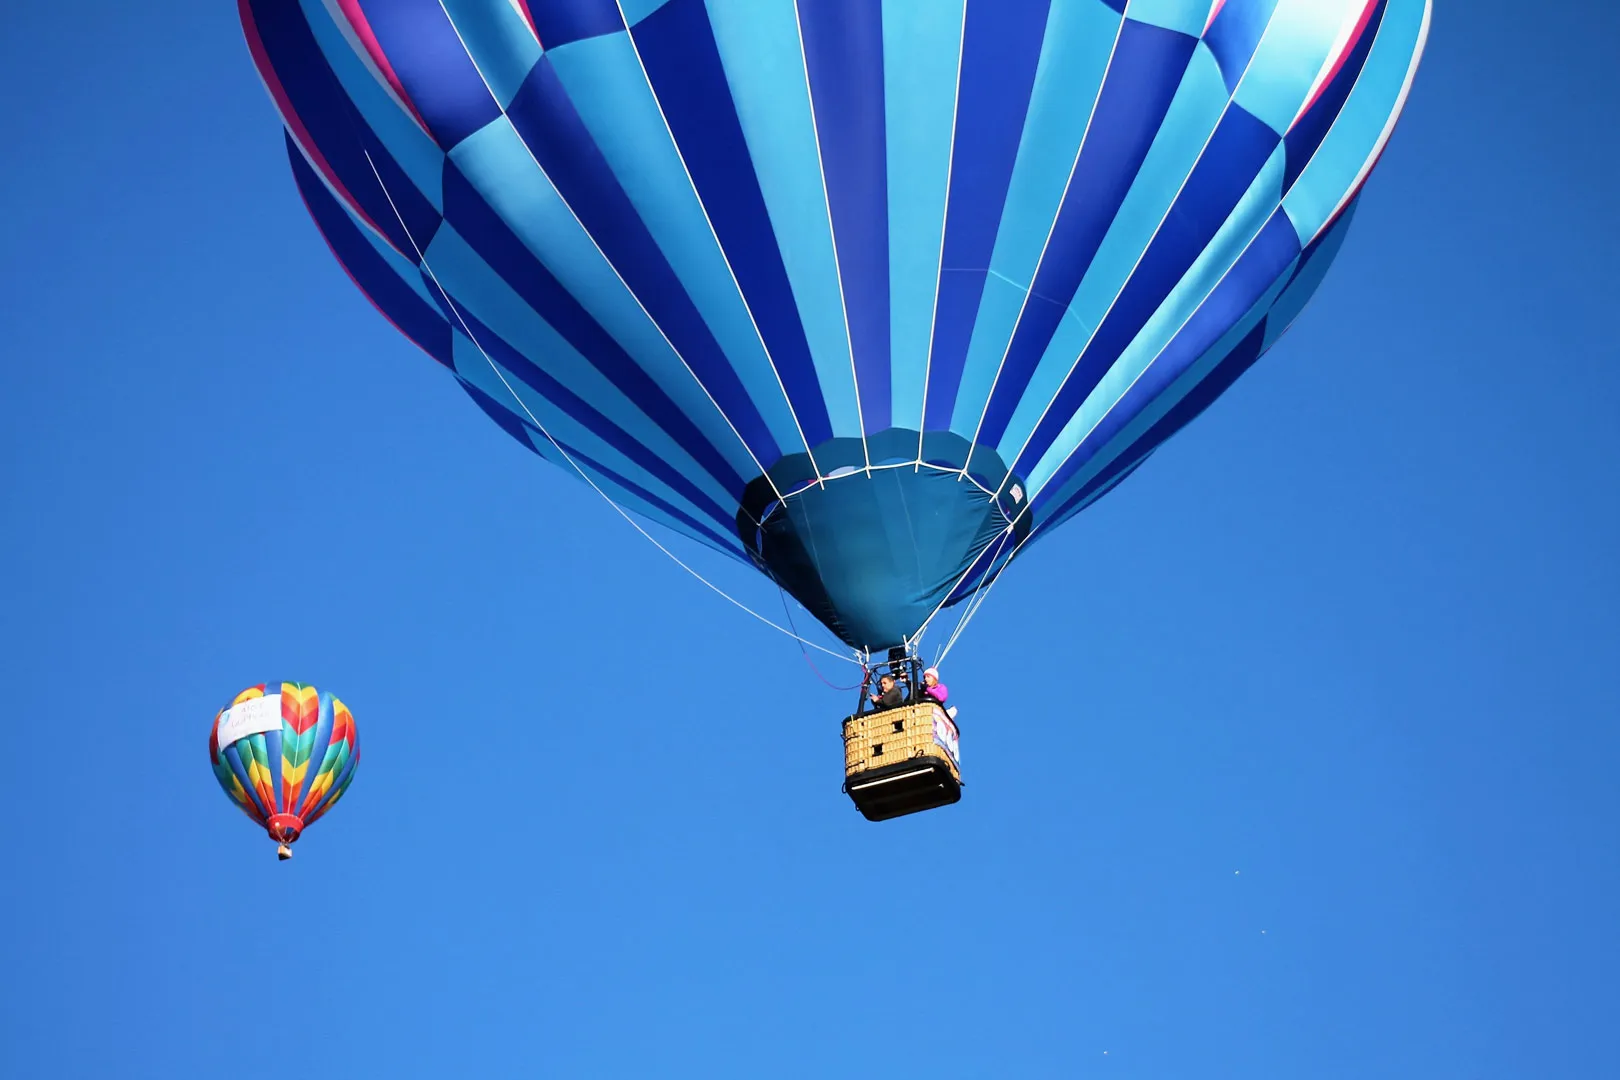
900, 761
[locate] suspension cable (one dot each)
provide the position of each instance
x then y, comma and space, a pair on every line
540, 427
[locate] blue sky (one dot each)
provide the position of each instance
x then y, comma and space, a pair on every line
1292, 757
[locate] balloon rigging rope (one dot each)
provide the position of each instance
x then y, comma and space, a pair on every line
455, 310
786, 610
977, 601
954, 586
973, 599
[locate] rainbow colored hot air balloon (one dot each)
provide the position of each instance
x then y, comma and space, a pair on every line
285, 753
866, 293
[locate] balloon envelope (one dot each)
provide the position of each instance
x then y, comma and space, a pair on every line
867, 294
284, 753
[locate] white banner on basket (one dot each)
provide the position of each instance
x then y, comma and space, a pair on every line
252, 717
945, 735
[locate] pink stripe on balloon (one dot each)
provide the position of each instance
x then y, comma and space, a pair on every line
1344, 54
289, 116
528, 17
1214, 11
362, 29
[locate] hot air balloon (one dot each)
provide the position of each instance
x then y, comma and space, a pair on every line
867, 294
285, 753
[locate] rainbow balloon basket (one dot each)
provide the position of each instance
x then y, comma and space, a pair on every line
902, 761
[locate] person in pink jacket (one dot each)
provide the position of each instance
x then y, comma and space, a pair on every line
933, 687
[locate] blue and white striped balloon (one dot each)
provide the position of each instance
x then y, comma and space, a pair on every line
868, 293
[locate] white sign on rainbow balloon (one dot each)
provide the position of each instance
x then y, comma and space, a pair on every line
253, 717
